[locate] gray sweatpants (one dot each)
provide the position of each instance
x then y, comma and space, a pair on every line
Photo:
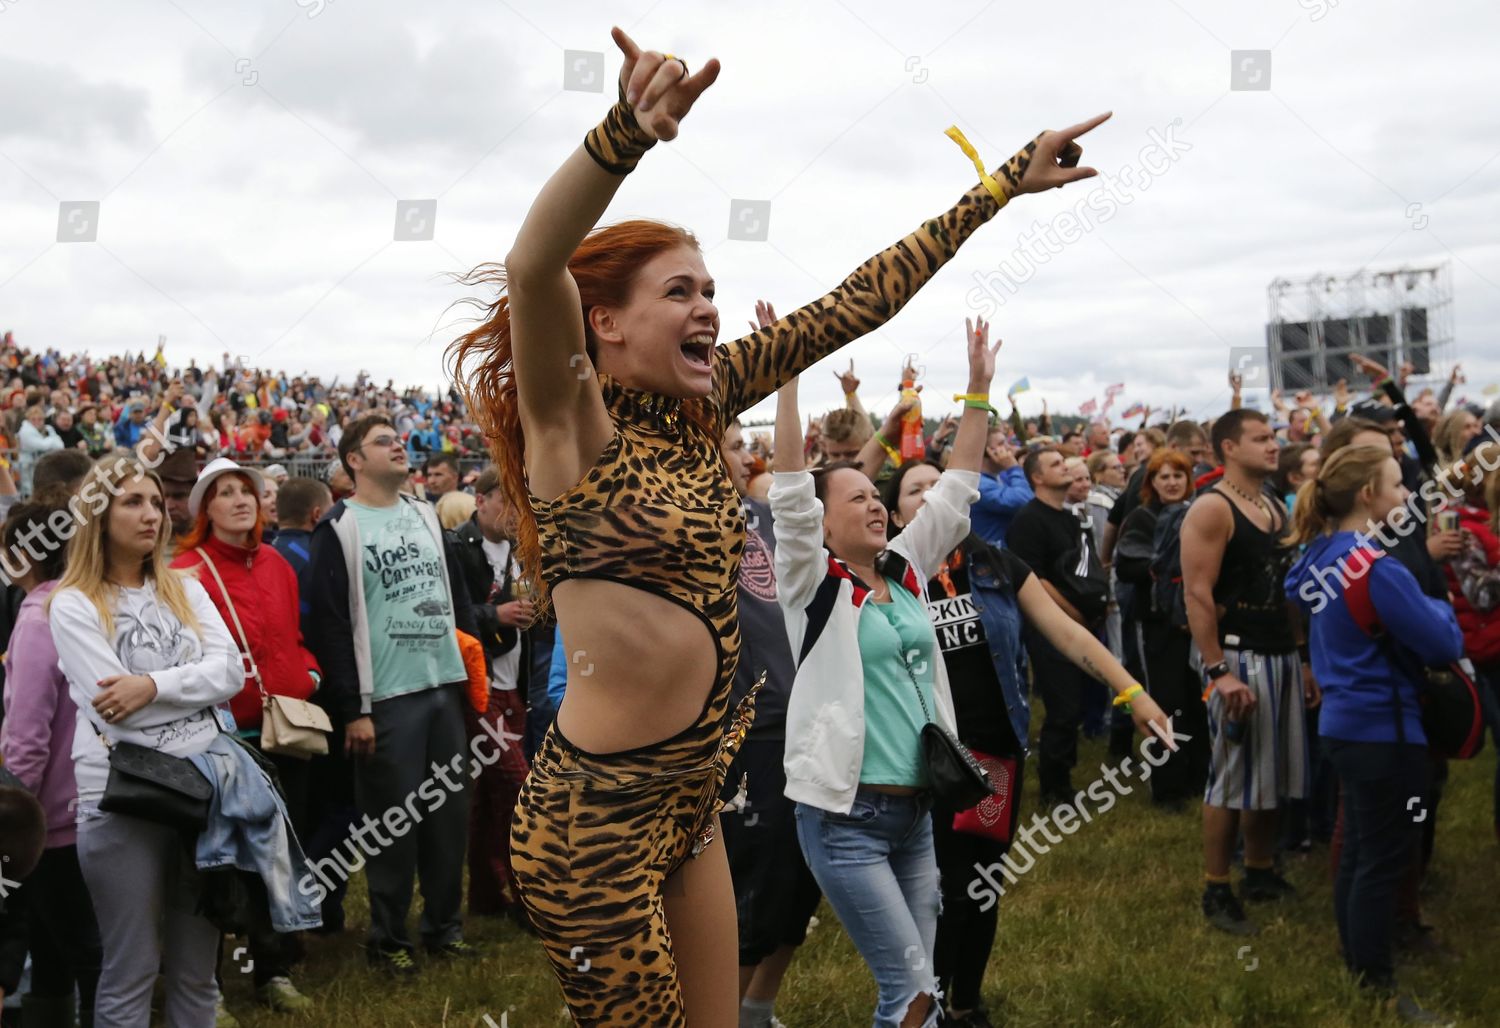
144, 888
413, 733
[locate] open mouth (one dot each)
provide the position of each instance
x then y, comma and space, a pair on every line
875, 525
698, 351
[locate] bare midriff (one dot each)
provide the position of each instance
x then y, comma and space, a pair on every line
640, 667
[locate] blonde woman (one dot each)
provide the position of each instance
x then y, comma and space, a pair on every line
1453, 432
1371, 722
454, 509
147, 658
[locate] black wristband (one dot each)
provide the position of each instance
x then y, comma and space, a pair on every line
1304, 652
1217, 671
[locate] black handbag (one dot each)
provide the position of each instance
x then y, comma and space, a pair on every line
957, 779
155, 786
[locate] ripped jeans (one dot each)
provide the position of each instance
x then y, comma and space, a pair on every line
877, 866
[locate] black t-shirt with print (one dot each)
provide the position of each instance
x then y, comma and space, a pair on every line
978, 702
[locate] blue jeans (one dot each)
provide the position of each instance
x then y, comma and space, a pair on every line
877, 867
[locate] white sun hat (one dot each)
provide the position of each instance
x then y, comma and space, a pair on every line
220, 466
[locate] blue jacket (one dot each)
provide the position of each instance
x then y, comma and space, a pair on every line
999, 613
295, 544
1000, 496
1360, 684
248, 829
557, 677
127, 432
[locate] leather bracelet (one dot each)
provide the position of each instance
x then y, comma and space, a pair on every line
1217, 671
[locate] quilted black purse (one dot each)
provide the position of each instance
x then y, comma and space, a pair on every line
957, 779
155, 786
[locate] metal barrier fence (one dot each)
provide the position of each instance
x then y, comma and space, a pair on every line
297, 466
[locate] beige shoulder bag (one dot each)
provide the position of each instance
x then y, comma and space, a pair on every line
288, 727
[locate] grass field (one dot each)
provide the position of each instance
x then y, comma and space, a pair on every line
1104, 930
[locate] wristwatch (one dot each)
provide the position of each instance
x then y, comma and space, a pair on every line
1217, 671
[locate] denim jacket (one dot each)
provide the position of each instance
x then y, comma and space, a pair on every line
248, 829
994, 600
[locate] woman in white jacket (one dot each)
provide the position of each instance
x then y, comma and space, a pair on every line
857, 622
856, 612
37, 438
147, 658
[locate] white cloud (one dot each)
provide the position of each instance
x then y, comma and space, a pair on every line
230, 220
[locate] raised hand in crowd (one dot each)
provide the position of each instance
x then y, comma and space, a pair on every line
847, 380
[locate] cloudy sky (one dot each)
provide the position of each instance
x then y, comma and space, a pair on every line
248, 159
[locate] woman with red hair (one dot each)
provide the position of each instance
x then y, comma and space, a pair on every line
603, 392
1163, 643
255, 591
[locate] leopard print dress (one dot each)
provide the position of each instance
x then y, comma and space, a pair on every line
596, 836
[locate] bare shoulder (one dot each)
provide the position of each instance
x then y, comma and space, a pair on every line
1209, 518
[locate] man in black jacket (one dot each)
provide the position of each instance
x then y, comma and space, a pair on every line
486, 555
386, 595
1045, 534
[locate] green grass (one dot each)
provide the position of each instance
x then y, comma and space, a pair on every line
1105, 930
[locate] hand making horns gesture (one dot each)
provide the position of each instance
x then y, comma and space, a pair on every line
659, 86
1055, 162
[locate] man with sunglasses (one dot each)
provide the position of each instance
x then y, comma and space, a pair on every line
383, 608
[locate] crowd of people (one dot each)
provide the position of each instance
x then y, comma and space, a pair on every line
232, 684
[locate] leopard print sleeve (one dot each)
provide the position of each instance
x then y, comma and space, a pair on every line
753, 367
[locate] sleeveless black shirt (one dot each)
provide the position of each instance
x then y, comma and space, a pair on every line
1251, 581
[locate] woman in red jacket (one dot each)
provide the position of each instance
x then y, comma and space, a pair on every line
262, 588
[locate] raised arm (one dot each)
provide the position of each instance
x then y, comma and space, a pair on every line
748, 370
562, 412
872, 456
974, 426
850, 384
801, 560
1081, 647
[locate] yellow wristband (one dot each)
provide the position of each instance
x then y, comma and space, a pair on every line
955, 134
890, 451
981, 397
1128, 695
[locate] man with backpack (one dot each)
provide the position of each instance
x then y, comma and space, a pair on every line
1060, 552
1235, 554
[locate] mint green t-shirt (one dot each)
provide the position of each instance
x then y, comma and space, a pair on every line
891, 635
412, 641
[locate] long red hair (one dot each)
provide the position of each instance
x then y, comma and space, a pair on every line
604, 266
201, 530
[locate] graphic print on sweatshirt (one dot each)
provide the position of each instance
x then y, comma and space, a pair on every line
150, 638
